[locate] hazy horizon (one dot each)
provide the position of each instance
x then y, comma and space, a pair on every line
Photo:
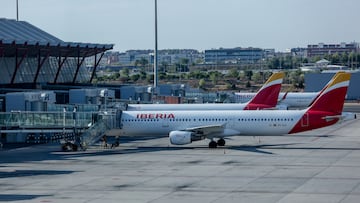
187, 24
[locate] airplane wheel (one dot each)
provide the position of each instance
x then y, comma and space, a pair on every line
67, 147
74, 147
212, 144
221, 142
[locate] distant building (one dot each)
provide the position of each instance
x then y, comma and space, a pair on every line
167, 56
321, 66
233, 55
322, 49
299, 52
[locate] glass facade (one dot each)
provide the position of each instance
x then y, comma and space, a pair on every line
29, 65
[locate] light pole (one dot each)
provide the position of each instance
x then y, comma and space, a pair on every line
155, 52
64, 121
17, 10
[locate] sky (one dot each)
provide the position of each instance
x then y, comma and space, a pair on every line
193, 24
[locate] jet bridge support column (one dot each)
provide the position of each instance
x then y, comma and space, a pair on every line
96, 64
118, 119
18, 62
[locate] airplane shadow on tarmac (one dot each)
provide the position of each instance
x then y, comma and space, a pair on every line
54, 152
18, 197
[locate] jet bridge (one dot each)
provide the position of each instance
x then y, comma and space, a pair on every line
88, 127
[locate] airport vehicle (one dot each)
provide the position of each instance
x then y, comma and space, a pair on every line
184, 127
265, 98
288, 100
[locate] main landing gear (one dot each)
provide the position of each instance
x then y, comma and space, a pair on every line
220, 142
68, 147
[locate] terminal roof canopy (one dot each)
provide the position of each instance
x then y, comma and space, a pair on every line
16, 35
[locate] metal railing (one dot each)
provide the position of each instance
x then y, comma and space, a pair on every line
29, 119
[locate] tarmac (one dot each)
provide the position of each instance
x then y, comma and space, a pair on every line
317, 166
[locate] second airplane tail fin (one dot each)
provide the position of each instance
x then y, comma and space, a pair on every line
325, 87
267, 96
331, 99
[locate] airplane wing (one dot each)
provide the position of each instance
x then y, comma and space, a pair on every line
187, 135
206, 130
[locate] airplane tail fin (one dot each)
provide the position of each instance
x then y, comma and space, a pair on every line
267, 96
331, 99
324, 88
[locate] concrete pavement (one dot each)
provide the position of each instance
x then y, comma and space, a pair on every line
316, 166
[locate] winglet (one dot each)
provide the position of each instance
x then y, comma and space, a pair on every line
267, 96
332, 98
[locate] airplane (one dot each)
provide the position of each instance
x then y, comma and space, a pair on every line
288, 100
265, 98
184, 127
300, 99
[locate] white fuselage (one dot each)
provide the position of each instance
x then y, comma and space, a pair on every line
297, 99
160, 123
185, 107
292, 99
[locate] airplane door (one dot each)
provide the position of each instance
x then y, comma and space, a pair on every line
231, 123
305, 120
165, 123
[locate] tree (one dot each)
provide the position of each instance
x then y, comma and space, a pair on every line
297, 79
115, 76
249, 74
274, 63
162, 76
352, 57
344, 58
233, 73
202, 83
256, 77
242, 75
142, 62
215, 76
334, 58
125, 72
135, 77
143, 74
150, 78
198, 75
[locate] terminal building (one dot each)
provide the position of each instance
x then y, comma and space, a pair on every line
29, 55
32, 59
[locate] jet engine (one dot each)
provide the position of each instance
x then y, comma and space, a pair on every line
182, 137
